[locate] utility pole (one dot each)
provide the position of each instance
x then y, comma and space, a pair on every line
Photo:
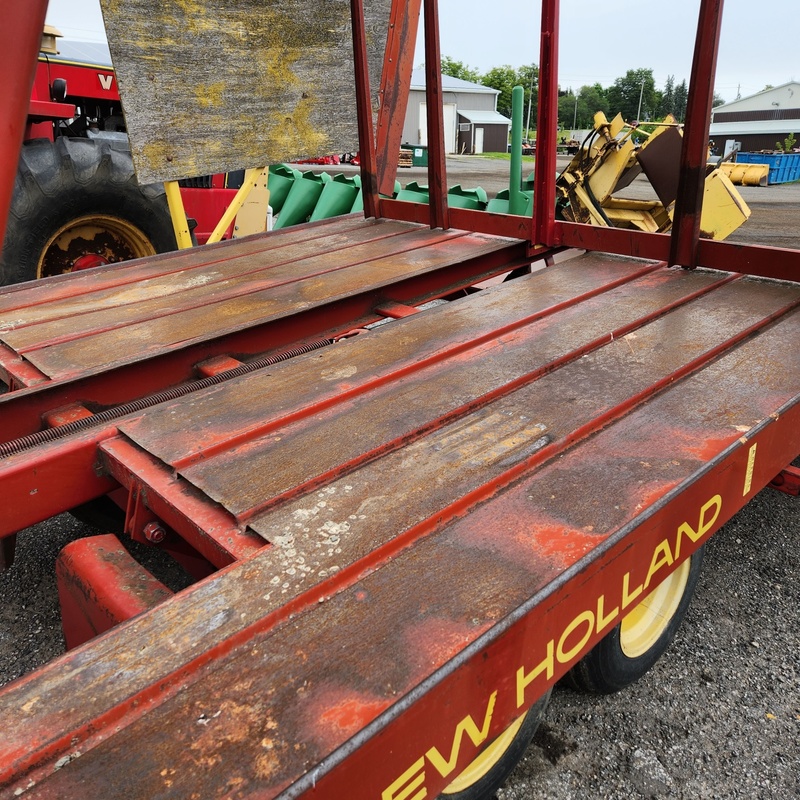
639, 110
530, 98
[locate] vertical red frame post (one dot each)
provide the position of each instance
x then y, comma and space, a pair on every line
20, 40
694, 153
398, 63
437, 172
544, 196
366, 133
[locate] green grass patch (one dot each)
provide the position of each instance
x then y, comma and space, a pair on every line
504, 157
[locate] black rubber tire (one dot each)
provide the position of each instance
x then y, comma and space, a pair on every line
606, 668
485, 787
70, 179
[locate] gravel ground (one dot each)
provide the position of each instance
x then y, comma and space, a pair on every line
717, 717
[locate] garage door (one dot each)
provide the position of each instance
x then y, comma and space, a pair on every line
449, 126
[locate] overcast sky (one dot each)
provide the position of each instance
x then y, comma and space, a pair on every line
599, 41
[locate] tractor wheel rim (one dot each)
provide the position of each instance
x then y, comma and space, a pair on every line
642, 627
486, 760
107, 239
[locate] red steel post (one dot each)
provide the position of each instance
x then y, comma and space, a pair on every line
20, 40
694, 153
437, 173
395, 84
366, 133
544, 197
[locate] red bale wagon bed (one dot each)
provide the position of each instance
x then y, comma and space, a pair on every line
411, 501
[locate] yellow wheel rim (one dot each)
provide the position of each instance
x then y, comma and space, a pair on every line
642, 627
486, 760
89, 241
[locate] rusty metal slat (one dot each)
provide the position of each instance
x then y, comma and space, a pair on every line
440, 468
76, 310
491, 381
224, 281
108, 385
62, 287
180, 329
488, 553
16, 372
546, 292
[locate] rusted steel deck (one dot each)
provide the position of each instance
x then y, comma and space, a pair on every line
452, 508
108, 336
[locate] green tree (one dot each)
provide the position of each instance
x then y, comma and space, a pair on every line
681, 97
567, 106
591, 99
457, 69
576, 111
667, 104
504, 79
625, 93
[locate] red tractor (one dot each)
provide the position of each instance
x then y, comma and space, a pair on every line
77, 203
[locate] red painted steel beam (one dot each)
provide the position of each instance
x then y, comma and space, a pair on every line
206, 526
366, 134
764, 262
788, 481
694, 151
100, 585
20, 40
612, 240
544, 188
51, 479
437, 171
398, 64
467, 219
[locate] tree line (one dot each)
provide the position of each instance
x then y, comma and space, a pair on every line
634, 95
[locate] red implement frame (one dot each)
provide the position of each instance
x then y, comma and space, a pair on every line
403, 524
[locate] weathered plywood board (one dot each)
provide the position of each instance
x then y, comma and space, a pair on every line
214, 85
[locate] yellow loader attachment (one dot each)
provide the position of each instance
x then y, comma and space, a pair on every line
609, 161
746, 174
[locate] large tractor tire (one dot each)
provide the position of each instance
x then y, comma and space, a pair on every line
76, 205
626, 653
489, 771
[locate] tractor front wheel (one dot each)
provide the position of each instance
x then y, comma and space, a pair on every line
76, 205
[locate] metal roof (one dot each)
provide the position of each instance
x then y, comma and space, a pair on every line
484, 117
450, 84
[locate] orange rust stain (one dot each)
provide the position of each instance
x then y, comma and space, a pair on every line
336, 712
435, 640
352, 713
